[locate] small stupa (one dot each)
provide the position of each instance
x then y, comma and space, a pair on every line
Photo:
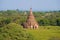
30, 22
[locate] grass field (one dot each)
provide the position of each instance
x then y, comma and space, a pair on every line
45, 33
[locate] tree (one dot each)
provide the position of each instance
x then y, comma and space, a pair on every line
58, 22
13, 31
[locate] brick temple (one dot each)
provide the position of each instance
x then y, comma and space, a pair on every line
30, 22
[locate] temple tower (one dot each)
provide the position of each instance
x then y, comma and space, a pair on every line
31, 22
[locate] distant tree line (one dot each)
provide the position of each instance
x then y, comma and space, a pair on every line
49, 18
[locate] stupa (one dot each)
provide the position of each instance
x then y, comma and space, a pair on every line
30, 22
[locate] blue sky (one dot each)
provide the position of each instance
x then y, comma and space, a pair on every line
39, 5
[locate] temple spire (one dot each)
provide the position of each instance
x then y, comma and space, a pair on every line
30, 10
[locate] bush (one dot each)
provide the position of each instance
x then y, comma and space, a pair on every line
13, 31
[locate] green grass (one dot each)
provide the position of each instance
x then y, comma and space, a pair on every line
45, 33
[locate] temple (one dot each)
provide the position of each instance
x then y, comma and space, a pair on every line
30, 22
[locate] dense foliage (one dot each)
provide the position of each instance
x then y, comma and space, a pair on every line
43, 18
13, 31
11, 28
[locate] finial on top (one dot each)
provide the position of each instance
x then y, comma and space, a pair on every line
30, 8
